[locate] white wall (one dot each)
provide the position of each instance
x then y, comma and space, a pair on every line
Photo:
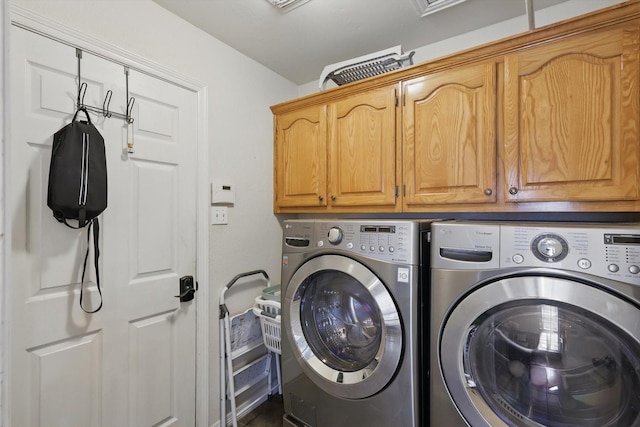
239, 128
492, 33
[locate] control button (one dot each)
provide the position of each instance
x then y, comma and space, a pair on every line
381, 248
634, 269
372, 248
403, 275
584, 263
321, 243
363, 247
518, 258
613, 268
335, 235
350, 245
392, 249
550, 247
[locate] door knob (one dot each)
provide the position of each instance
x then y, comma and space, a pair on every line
187, 289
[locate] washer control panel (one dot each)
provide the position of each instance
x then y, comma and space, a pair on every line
393, 241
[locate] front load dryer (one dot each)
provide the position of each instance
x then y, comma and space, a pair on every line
350, 338
535, 324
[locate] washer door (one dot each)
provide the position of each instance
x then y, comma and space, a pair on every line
543, 351
343, 326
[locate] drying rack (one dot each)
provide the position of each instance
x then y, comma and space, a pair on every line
247, 336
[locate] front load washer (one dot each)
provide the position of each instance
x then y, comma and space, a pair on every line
535, 324
350, 338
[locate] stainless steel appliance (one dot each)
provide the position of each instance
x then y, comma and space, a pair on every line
535, 324
350, 322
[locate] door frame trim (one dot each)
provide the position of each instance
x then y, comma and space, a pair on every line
51, 29
5, 235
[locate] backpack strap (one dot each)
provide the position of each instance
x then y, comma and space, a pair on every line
82, 222
86, 113
96, 251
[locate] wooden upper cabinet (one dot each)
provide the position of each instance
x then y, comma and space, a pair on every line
571, 119
301, 158
449, 144
362, 149
546, 120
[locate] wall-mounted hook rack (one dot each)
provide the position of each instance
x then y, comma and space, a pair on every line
82, 90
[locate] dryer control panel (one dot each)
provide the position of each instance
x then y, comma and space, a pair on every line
605, 250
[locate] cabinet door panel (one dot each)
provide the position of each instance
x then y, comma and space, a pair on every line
362, 154
571, 114
301, 158
449, 147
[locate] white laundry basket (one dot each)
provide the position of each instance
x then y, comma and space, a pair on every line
267, 308
269, 313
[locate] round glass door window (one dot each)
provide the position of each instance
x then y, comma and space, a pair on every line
344, 326
341, 320
554, 365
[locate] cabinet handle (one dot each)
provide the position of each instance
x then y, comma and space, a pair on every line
488, 192
321, 197
333, 198
513, 191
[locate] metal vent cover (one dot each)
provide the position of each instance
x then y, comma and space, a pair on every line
365, 66
427, 7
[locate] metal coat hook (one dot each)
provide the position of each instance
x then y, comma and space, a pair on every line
105, 104
132, 101
81, 93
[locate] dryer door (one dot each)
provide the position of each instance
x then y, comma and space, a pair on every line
545, 351
344, 326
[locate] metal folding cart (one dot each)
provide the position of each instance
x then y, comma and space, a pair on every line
240, 335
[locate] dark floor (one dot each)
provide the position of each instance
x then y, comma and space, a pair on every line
269, 414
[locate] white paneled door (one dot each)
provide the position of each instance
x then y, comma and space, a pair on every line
133, 362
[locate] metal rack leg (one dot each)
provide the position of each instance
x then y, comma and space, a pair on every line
270, 361
231, 385
279, 373
223, 373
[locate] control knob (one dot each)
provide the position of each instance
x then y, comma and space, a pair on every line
335, 235
550, 247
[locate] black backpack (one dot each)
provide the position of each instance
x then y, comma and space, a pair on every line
78, 182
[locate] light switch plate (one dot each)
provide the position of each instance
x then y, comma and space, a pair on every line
219, 215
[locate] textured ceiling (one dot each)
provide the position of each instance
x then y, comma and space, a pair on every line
300, 43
